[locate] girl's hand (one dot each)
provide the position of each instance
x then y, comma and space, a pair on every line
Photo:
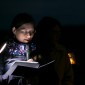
30, 60
37, 57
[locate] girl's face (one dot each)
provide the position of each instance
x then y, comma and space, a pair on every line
24, 33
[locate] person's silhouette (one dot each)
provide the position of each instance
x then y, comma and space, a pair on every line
48, 35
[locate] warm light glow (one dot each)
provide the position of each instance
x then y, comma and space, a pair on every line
71, 57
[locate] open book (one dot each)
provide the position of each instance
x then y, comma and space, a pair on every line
25, 68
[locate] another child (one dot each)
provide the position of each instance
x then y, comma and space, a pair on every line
49, 43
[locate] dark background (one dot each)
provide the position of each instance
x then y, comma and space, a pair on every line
71, 15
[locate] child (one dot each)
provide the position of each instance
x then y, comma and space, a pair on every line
49, 34
19, 46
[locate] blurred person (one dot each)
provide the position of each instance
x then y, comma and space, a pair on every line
48, 40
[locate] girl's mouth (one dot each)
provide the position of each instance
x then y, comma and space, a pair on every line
27, 40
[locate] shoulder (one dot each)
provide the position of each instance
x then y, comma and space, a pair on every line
60, 48
59, 52
4, 45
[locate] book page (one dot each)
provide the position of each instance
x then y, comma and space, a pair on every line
20, 63
27, 64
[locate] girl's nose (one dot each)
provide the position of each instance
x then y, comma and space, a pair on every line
28, 35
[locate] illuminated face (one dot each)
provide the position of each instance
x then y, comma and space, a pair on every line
24, 33
55, 34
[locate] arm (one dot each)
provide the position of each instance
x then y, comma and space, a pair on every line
63, 66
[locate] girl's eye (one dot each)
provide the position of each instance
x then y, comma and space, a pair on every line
23, 32
30, 32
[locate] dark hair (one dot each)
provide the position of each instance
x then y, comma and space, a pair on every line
48, 23
21, 19
45, 27
45, 32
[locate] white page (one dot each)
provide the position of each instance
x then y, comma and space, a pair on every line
20, 63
